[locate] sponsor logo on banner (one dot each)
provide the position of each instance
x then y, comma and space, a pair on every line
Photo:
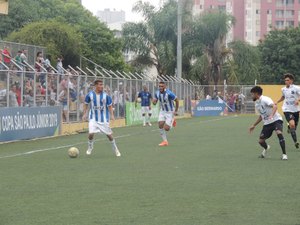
209, 108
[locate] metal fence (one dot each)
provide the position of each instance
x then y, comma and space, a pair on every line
30, 88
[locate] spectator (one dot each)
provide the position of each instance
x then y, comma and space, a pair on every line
18, 93
241, 102
28, 86
13, 96
59, 65
208, 97
6, 56
47, 63
231, 102
1, 61
23, 56
63, 99
29, 99
18, 58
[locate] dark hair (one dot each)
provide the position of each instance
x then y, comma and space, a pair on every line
162, 82
257, 89
290, 76
98, 81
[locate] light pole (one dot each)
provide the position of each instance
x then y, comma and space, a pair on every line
179, 39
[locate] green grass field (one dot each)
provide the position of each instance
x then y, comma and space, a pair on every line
210, 174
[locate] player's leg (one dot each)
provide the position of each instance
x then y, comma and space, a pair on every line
290, 117
105, 128
143, 115
149, 112
278, 130
296, 121
90, 144
264, 135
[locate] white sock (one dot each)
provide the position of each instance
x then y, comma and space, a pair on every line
148, 118
144, 119
113, 143
91, 144
163, 134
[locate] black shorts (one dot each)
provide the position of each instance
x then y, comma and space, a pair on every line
292, 116
267, 130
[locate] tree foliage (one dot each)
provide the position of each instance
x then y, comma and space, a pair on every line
280, 54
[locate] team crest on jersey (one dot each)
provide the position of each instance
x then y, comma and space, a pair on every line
293, 92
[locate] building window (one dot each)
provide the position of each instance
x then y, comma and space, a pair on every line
279, 13
290, 23
257, 33
257, 22
222, 8
200, 6
257, 11
269, 11
290, 13
279, 24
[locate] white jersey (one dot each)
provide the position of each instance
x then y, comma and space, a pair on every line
264, 105
291, 94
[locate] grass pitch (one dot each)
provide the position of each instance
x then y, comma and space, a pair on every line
210, 174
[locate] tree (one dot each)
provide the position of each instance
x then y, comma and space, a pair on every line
101, 45
242, 65
59, 38
155, 40
280, 54
209, 31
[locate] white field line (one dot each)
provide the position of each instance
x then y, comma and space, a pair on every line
101, 139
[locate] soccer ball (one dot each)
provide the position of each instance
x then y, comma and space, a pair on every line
73, 152
139, 100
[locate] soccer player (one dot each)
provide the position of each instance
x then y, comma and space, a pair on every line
100, 113
290, 96
146, 98
271, 119
167, 112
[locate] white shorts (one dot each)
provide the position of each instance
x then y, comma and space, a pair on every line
146, 109
168, 117
96, 127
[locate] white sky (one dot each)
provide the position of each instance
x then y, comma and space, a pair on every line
125, 5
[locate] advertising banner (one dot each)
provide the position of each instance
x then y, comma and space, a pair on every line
22, 123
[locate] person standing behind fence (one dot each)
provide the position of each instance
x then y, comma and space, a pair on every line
167, 112
59, 65
100, 114
145, 100
6, 56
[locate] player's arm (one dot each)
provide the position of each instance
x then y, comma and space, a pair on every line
274, 109
176, 106
259, 119
111, 112
280, 100
85, 110
154, 100
86, 107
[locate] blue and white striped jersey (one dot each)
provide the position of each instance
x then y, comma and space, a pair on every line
98, 106
166, 100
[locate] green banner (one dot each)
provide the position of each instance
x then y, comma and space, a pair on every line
134, 115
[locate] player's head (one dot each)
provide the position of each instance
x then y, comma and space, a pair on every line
98, 85
288, 79
256, 92
162, 86
145, 88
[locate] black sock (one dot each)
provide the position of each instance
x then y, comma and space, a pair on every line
282, 143
263, 144
294, 135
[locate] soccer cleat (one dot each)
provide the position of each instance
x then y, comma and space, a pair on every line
284, 157
89, 151
149, 124
164, 143
144, 124
174, 123
297, 145
117, 152
264, 152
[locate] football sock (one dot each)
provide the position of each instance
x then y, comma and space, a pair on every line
282, 143
163, 134
144, 119
113, 143
91, 144
294, 135
264, 145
